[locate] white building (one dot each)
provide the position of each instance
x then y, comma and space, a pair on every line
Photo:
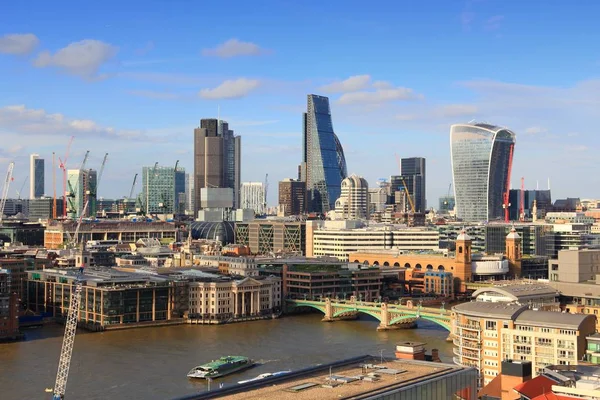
253, 197
221, 299
340, 238
353, 203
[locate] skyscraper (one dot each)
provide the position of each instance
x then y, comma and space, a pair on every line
481, 159
80, 190
161, 189
253, 197
36, 176
292, 197
323, 163
353, 202
413, 171
217, 159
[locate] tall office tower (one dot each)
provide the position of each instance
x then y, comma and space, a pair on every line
353, 203
481, 159
323, 163
81, 190
217, 159
292, 197
36, 176
189, 194
413, 171
161, 189
252, 195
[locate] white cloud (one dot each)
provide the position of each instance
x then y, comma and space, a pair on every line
379, 96
18, 119
352, 84
18, 43
534, 130
235, 48
382, 85
82, 58
231, 89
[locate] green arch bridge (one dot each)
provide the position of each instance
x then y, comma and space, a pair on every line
390, 316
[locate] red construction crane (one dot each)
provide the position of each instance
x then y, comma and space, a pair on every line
506, 204
522, 201
63, 166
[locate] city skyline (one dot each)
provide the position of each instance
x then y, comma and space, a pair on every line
152, 93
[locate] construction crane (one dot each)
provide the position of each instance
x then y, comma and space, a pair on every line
92, 193
54, 185
132, 186
447, 200
73, 190
7, 182
66, 352
62, 164
408, 196
505, 203
266, 192
176, 164
522, 200
20, 191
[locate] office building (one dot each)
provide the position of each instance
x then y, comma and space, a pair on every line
27, 233
485, 333
189, 194
252, 196
292, 197
43, 208
272, 236
412, 171
161, 189
353, 202
81, 191
538, 200
481, 160
341, 238
36, 176
446, 205
9, 309
323, 163
217, 159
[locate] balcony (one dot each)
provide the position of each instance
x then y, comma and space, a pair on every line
474, 327
470, 345
475, 355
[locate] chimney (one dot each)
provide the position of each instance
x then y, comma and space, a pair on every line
435, 355
410, 351
514, 372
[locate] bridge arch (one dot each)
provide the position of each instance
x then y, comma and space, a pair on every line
316, 307
401, 318
358, 311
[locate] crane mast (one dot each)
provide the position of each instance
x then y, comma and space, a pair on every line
7, 181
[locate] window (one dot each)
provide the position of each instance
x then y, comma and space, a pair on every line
490, 325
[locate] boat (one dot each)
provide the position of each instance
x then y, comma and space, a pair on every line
221, 367
265, 375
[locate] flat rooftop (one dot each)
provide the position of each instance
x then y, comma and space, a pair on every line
350, 381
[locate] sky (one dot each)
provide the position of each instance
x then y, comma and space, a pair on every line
133, 78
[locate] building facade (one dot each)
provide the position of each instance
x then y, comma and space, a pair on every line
353, 202
217, 159
292, 197
9, 308
341, 238
81, 190
272, 236
323, 162
189, 194
43, 208
36, 176
481, 160
413, 172
253, 197
161, 190
486, 333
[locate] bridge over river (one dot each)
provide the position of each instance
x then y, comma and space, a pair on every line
390, 316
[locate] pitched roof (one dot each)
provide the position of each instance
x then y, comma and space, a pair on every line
536, 386
492, 389
552, 396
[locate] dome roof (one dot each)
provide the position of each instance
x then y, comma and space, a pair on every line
463, 236
222, 231
513, 234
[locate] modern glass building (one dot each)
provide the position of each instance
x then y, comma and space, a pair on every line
162, 187
36, 176
481, 160
79, 192
324, 164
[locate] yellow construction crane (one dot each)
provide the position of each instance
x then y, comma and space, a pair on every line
408, 196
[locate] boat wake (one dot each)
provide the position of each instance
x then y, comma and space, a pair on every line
262, 362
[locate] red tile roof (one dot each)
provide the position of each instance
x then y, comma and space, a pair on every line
552, 396
535, 387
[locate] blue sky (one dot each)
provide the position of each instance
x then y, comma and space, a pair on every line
133, 78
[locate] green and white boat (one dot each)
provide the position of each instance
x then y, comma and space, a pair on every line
221, 367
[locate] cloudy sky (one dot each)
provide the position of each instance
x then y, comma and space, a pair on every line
133, 78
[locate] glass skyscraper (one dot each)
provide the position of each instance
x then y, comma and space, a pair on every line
481, 157
36, 176
323, 165
161, 189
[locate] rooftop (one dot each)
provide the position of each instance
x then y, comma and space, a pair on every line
500, 310
520, 292
552, 319
352, 380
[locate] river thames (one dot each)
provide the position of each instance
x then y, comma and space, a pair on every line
152, 363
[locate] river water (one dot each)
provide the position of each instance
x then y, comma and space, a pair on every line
152, 363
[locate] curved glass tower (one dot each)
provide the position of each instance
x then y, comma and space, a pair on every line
481, 161
324, 164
